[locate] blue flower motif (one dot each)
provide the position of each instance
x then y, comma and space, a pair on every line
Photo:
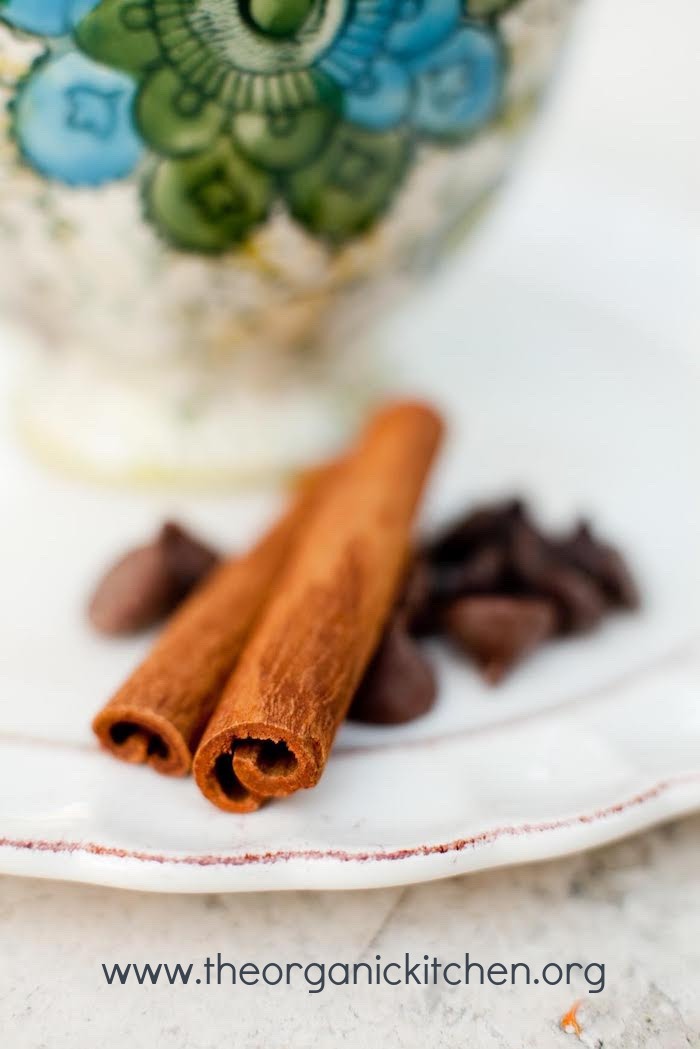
381, 97
416, 62
458, 85
46, 17
73, 120
420, 25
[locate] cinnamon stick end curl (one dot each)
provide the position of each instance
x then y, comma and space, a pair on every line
142, 737
238, 770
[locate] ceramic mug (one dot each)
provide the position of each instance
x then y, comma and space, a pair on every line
205, 200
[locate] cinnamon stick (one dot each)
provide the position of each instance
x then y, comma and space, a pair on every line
274, 726
159, 714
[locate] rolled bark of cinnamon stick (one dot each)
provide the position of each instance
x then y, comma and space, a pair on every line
272, 731
159, 714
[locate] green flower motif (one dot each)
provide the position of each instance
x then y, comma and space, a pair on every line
119, 34
210, 200
240, 102
352, 181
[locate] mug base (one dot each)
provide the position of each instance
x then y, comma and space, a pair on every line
168, 430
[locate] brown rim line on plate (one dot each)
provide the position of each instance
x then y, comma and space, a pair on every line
361, 857
239, 770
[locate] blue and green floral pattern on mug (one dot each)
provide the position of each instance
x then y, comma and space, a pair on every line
226, 107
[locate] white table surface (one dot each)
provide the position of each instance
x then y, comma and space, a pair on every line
623, 120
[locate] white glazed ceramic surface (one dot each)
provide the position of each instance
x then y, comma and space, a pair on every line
592, 739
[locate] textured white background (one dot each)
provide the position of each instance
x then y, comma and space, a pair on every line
609, 199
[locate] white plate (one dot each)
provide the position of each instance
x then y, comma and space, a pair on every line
550, 391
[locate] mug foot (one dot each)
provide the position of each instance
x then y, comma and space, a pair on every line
165, 429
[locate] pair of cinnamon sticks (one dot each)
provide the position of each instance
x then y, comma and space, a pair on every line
251, 678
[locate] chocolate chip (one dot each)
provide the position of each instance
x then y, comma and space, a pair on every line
399, 685
135, 593
602, 562
148, 583
414, 609
416, 593
529, 554
190, 559
580, 601
483, 572
488, 524
539, 571
498, 632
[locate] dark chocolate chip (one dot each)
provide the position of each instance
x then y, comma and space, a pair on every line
190, 559
485, 571
417, 591
529, 555
135, 593
399, 685
602, 562
487, 525
580, 600
498, 632
419, 609
538, 570
148, 583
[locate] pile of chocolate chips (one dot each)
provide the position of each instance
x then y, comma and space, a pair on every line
496, 586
